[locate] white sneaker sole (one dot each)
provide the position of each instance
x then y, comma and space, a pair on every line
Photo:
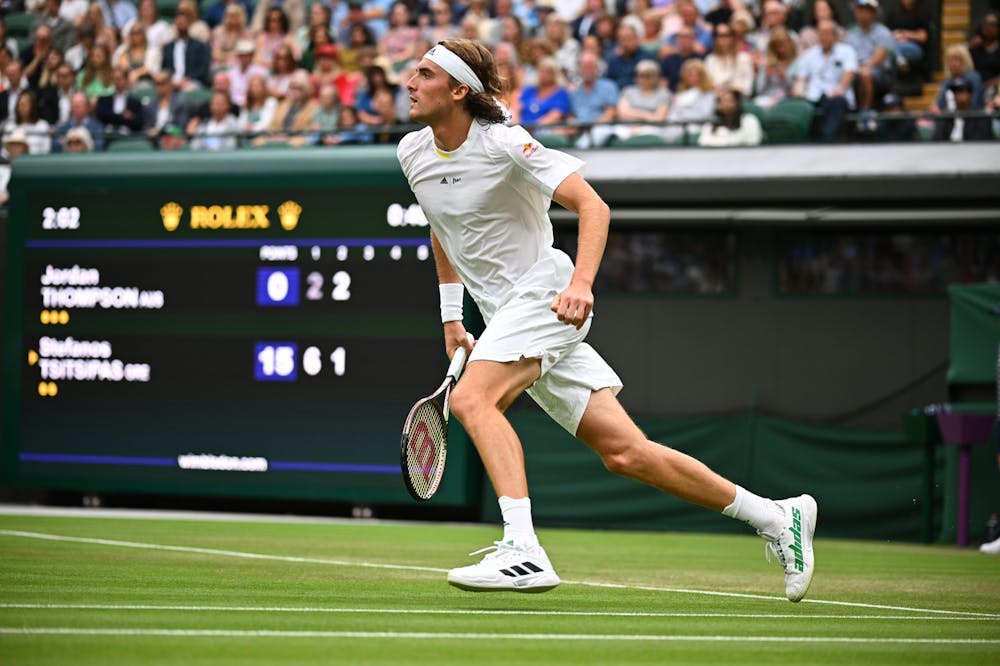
533, 585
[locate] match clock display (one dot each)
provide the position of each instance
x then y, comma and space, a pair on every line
180, 329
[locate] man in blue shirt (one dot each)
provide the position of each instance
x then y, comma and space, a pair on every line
874, 44
621, 66
594, 102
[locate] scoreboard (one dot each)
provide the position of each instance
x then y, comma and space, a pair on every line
246, 324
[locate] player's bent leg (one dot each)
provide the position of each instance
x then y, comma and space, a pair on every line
608, 429
786, 525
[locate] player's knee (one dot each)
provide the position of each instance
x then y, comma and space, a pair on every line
464, 404
623, 461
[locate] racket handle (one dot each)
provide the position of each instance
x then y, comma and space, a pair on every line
458, 361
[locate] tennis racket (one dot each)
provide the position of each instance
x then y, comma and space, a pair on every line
424, 445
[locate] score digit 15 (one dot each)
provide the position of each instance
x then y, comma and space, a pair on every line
279, 361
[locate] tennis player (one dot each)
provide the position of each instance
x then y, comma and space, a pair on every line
486, 188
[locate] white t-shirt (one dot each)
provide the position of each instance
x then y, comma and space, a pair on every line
487, 202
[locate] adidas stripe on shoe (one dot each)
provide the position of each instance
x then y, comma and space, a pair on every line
793, 547
508, 566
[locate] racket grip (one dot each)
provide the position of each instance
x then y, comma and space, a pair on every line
458, 360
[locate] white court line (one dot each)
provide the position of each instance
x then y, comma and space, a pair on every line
478, 612
407, 567
423, 635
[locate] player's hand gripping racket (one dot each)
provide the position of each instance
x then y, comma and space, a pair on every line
425, 435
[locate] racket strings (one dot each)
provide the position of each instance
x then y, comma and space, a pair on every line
425, 447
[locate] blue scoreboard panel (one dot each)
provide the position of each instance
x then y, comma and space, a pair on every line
175, 327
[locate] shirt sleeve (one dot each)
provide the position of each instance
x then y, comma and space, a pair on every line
543, 167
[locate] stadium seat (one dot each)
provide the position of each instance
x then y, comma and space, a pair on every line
555, 141
197, 97
642, 140
788, 121
131, 144
19, 24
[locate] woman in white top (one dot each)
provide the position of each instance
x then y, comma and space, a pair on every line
727, 65
731, 127
26, 119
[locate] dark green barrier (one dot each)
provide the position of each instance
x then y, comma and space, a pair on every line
868, 482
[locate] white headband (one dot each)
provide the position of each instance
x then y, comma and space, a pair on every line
455, 66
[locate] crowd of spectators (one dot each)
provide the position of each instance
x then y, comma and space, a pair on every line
229, 73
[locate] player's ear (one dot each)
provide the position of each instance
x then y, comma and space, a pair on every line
459, 92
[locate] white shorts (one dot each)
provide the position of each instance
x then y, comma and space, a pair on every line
571, 370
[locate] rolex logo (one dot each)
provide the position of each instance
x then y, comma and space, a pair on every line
288, 213
171, 214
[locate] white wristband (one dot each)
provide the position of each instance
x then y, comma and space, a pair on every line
452, 299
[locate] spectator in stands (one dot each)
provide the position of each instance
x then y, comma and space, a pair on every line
686, 14
328, 72
319, 36
283, 66
513, 36
260, 107
776, 75
6, 41
95, 77
47, 72
275, 37
119, 111
399, 42
539, 48
594, 102
27, 120
894, 121
385, 110
203, 112
644, 101
360, 38
731, 126
909, 26
171, 138
117, 13
104, 32
694, 101
188, 59
243, 70
958, 65
138, 56
774, 15
15, 144
215, 13
958, 129
377, 77
567, 53
586, 23
228, 33
985, 49
627, 54
197, 29
73, 10
726, 65
743, 25
61, 31
547, 102
158, 31
683, 50
349, 130
874, 46
77, 54
220, 130
167, 107
825, 76
78, 140
327, 109
79, 116
319, 17
295, 11
822, 10
14, 84
510, 82
54, 100
34, 55
294, 115
442, 22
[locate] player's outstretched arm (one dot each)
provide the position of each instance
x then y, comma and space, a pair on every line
574, 304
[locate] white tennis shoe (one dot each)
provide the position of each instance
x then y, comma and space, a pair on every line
793, 547
509, 565
991, 548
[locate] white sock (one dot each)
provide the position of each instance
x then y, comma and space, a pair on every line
517, 519
759, 512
